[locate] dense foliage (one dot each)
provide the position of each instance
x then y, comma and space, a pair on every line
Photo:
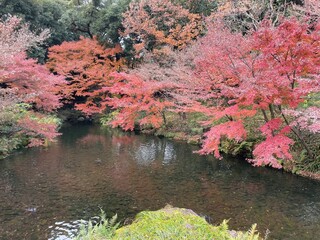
271, 71
248, 70
154, 24
86, 66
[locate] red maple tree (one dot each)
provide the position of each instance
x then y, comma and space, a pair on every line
86, 66
267, 71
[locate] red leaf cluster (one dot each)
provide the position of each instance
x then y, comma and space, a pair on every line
86, 66
139, 100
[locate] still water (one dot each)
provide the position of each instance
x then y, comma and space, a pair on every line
44, 193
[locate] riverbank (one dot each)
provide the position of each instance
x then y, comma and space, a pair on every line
242, 150
188, 128
166, 223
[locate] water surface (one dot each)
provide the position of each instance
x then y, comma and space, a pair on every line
44, 193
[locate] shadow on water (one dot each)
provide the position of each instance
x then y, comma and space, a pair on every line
45, 192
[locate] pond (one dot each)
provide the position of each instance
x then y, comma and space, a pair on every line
45, 192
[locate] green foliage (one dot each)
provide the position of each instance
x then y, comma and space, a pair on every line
194, 120
108, 23
105, 229
67, 20
312, 100
107, 118
47, 119
79, 19
302, 160
202, 7
100, 18
196, 130
9, 144
170, 223
10, 139
9, 116
185, 126
189, 123
50, 15
12, 134
236, 148
27, 9
252, 234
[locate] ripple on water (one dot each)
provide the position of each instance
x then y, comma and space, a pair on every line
63, 230
309, 213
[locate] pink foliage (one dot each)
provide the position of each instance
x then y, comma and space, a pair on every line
289, 60
28, 77
16, 37
33, 80
307, 119
232, 130
269, 128
274, 65
234, 78
86, 64
271, 150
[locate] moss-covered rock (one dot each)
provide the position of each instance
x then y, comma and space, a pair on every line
176, 223
168, 223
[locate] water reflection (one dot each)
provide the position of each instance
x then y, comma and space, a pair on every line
44, 192
146, 154
169, 153
155, 150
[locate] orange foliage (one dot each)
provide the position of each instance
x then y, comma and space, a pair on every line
86, 66
153, 24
